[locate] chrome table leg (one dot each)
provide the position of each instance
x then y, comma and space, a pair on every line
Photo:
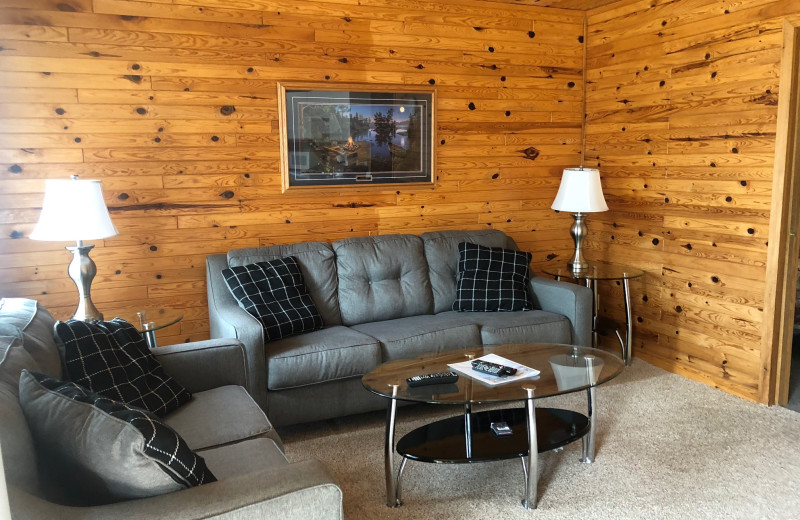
588, 440
592, 284
150, 338
468, 429
532, 480
388, 451
398, 485
626, 356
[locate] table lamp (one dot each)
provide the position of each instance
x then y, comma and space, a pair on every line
74, 210
580, 192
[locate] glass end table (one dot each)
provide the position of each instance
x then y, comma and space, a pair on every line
151, 320
599, 271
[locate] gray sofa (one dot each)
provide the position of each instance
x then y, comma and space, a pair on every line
221, 422
381, 298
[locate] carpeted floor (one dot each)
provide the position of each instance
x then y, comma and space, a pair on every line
668, 448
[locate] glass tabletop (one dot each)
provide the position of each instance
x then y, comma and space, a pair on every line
156, 319
595, 271
563, 369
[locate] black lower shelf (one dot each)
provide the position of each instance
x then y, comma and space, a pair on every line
445, 441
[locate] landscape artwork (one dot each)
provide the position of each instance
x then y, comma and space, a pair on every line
347, 137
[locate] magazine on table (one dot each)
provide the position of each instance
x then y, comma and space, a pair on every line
465, 367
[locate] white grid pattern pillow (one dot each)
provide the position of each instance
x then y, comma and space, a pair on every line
275, 294
111, 358
106, 450
491, 279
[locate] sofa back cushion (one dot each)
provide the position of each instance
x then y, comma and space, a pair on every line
382, 278
19, 453
441, 251
26, 342
317, 263
34, 325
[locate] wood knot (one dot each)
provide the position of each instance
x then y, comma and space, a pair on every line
227, 110
530, 153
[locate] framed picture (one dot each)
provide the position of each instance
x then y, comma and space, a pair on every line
355, 135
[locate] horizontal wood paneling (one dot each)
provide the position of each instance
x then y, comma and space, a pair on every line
130, 92
681, 111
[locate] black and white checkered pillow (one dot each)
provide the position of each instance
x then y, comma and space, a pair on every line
491, 279
115, 451
111, 358
275, 294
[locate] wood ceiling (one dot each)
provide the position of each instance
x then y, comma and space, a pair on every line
580, 5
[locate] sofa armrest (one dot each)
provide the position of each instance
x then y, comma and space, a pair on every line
572, 300
295, 491
203, 365
228, 320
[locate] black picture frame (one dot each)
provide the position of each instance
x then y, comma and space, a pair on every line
355, 135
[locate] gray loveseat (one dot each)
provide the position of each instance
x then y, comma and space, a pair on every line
221, 422
381, 298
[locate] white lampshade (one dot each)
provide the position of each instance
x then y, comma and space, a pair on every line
580, 191
73, 210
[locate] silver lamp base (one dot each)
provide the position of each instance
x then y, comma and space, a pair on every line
82, 270
578, 231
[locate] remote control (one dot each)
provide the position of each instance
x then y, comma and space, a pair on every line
501, 429
441, 378
493, 368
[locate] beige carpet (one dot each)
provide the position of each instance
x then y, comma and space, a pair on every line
668, 448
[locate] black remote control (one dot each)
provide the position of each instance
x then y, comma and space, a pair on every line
493, 368
441, 378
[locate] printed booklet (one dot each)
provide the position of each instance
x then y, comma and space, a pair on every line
465, 367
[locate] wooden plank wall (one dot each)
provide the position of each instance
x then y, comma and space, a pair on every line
172, 104
682, 103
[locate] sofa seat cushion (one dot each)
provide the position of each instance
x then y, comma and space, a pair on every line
323, 355
220, 416
417, 335
101, 451
519, 327
242, 458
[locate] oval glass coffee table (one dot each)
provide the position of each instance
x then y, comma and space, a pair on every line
563, 369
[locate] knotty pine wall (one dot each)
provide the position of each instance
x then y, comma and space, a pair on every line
682, 103
172, 104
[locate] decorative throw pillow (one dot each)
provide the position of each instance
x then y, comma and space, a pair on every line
491, 279
111, 358
104, 450
275, 294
